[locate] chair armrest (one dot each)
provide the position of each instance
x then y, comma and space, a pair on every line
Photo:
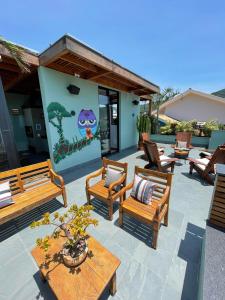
163, 200
54, 176
169, 159
93, 175
115, 183
192, 160
124, 190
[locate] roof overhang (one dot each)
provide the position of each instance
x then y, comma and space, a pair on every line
70, 56
10, 72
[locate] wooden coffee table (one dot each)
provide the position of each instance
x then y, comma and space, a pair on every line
87, 281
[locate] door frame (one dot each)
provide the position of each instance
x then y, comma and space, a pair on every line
118, 118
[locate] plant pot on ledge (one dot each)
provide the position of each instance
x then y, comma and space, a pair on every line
72, 227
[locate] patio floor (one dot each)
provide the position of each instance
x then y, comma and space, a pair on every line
170, 272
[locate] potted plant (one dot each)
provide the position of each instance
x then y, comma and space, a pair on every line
72, 226
143, 126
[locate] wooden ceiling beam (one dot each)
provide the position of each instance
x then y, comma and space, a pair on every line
104, 73
9, 67
111, 84
80, 63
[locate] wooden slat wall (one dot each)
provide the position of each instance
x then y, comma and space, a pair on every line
217, 214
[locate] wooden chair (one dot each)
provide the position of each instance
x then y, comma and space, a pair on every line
205, 166
161, 162
183, 137
145, 137
98, 190
208, 154
157, 210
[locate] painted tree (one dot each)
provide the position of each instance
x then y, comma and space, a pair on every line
159, 99
58, 112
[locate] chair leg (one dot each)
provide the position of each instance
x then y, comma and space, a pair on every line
88, 197
110, 211
166, 218
172, 166
155, 234
191, 168
64, 197
120, 216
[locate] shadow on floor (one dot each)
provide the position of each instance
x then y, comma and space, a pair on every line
82, 170
190, 251
195, 176
102, 209
44, 289
139, 230
16, 225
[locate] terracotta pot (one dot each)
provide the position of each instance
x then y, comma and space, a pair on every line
74, 261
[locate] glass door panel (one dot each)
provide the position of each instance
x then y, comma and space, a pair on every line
108, 118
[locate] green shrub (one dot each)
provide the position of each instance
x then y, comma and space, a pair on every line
143, 123
185, 126
210, 126
166, 129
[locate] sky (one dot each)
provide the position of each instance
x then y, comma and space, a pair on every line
173, 43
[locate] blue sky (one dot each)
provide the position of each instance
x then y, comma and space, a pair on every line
176, 43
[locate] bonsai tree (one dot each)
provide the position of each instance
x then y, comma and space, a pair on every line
159, 99
71, 225
58, 112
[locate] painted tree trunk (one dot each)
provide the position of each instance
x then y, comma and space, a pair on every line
7, 131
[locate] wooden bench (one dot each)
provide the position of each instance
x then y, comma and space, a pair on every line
31, 186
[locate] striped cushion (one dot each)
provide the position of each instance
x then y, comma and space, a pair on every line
142, 190
5, 194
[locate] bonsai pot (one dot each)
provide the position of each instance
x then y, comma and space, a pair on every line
72, 257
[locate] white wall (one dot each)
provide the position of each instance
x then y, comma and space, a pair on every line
196, 107
128, 117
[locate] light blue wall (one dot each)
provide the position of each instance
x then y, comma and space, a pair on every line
54, 89
16, 101
128, 116
217, 138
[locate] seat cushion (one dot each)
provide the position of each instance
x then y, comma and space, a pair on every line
142, 189
164, 163
5, 194
99, 190
204, 161
181, 144
29, 199
112, 175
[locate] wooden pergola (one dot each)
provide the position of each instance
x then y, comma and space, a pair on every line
70, 56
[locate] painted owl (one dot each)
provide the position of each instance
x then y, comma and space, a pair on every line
87, 123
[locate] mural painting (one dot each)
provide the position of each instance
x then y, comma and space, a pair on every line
87, 125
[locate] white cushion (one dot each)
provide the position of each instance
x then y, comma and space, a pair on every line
181, 144
112, 175
204, 161
164, 163
5, 194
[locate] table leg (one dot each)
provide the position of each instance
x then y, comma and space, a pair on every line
112, 285
42, 276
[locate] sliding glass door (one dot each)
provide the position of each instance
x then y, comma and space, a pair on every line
109, 120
